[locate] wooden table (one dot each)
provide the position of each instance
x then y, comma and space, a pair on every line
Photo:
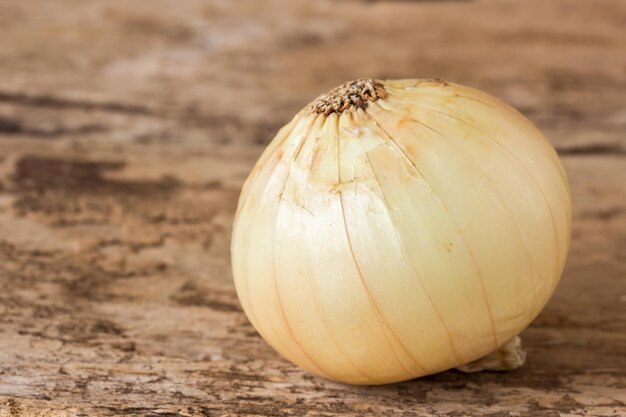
127, 129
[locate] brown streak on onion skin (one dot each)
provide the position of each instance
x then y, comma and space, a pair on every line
377, 312
246, 199
319, 369
389, 213
495, 190
529, 173
482, 283
318, 307
270, 171
512, 155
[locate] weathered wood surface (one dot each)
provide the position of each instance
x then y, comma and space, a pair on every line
127, 129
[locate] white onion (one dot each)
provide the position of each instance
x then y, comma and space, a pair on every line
395, 229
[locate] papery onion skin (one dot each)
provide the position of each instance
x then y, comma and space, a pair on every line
409, 234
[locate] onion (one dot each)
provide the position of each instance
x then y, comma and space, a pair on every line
394, 229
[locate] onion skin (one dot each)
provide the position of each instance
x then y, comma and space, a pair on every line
401, 238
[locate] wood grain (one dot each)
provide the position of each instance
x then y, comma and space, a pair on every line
127, 129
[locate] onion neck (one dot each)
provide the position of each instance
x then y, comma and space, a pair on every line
350, 95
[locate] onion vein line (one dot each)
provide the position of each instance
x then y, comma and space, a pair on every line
280, 304
244, 204
318, 307
482, 283
380, 318
419, 278
498, 194
519, 162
